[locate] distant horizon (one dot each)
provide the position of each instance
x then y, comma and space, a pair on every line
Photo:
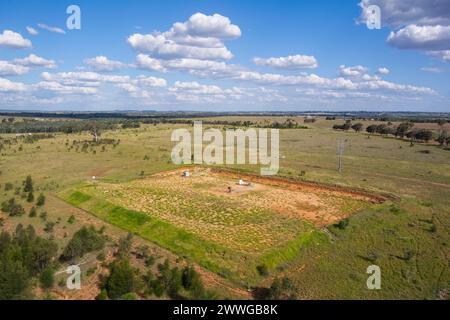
226, 112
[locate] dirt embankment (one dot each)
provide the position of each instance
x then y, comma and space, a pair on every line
293, 184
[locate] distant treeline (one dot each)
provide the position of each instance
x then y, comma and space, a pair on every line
288, 124
47, 126
404, 129
75, 126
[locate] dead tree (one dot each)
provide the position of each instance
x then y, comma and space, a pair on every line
95, 131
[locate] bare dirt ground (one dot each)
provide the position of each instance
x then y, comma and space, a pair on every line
321, 205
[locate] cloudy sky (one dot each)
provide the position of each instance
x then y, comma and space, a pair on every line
236, 55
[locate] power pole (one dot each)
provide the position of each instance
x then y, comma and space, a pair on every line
341, 148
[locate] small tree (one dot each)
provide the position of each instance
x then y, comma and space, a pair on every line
403, 129
30, 197
125, 244
443, 138
40, 200
28, 184
282, 289
372, 129
192, 281
83, 241
33, 212
121, 280
94, 130
47, 279
357, 127
263, 270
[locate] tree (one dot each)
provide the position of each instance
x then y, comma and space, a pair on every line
23, 255
125, 244
121, 280
372, 128
47, 278
192, 281
142, 252
28, 184
103, 295
424, 135
12, 208
8, 186
383, 129
346, 126
170, 279
403, 129
263, 270
443, 138
94, 130
14, 278
33, 212
282, 289
40, 200
83, 241
357, 127
30, 197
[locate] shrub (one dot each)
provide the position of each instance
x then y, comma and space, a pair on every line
281, 289
192, 281
33, 212
71, 219
28, 184
40, 200
12, 208
263, 270
83, 241
8, 186
47, 279
43, 215
121, 280
103, 295
49, 227
342, 224
30, 197
150, 261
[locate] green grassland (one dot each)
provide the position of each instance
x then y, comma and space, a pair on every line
407, 237
226, 236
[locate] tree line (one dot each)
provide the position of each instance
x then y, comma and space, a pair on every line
403, 130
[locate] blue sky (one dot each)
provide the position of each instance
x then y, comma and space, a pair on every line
310, 55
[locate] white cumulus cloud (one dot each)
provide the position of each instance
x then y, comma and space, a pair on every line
289, 62
383, 70
421, 37
10, 86
13, 40
103, 64
201, 37
10, 69
356, 71
35, 61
